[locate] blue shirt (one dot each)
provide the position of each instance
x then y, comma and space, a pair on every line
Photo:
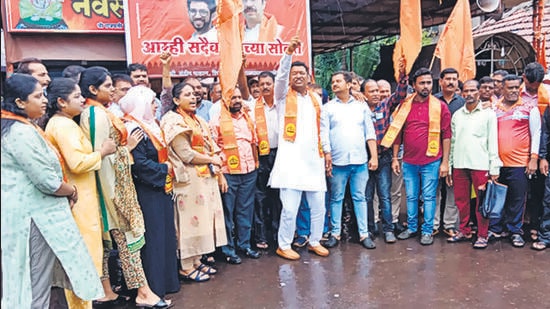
345, 129
203, 110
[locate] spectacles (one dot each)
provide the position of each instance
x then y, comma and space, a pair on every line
201, 12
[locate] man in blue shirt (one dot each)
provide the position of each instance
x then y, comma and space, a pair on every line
346, 126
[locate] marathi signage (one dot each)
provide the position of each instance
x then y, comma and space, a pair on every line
186, 29
79, 16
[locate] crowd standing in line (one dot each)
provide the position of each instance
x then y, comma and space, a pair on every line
173, 183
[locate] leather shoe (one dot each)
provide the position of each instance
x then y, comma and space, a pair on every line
233, 259
331, 242
368, 243
288, 254
319, 250
249, 253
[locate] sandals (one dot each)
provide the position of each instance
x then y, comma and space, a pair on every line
459, 237
262, 245
534, 235
539, 246
208, 260
481, 243
517, 241
451, 232
206, 269
195, 276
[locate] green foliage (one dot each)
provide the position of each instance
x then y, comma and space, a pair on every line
366, 58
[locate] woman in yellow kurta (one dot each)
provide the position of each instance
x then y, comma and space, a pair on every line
65, 101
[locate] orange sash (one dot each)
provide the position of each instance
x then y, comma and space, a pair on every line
261, 127
117, 123
160, 146
197, 139
230, 147
9, 115
543, 98
434, 129
291, 113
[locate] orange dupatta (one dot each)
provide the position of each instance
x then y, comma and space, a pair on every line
9, 115
291, 113
261, 127
434, 129
230, 147
197, 139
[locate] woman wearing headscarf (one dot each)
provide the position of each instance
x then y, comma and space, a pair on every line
37, 224
193, 155
65, 102
151, 174
121, 213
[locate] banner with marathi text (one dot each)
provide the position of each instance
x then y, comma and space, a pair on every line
78, 16
187, 29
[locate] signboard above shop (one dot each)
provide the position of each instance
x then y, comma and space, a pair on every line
70, 16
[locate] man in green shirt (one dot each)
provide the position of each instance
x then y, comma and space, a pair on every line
473, 159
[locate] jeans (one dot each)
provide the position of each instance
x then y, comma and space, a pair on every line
358, 175
238, 209
428, 176
381, 179
512, 214
544, 230
302, 219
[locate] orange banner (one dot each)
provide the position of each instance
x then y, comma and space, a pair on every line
157, 26
78, 16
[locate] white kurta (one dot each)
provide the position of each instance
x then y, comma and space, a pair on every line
298, 164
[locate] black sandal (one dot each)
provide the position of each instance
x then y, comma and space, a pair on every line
539, 246
195, 276
206, 269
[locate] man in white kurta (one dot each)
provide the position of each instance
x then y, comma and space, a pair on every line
299, 166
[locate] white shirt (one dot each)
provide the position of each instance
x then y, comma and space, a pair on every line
298, 164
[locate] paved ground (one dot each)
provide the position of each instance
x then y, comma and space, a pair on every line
402, 275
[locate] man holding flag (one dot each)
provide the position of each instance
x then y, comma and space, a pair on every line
300, 164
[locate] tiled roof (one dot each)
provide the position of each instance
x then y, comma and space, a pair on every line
518, 20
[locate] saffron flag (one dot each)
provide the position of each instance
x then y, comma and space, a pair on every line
410, 37
230, 37
455, 47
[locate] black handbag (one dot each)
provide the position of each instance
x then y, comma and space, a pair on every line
492, 199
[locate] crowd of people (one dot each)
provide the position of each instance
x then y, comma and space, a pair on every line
94, 162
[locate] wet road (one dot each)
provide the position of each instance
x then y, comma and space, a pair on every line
404, 274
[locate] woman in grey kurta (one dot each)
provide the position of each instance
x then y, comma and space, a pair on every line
37, 224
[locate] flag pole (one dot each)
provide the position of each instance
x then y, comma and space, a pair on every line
432, 62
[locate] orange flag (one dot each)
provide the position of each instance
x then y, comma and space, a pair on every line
455, 48
410, 38
541, 53
230, 37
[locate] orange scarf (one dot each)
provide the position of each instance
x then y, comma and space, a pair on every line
261, 127
9, 115
291, 113
198, 141
117, 123
160, 146
543, 98
434, 129
230, 147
